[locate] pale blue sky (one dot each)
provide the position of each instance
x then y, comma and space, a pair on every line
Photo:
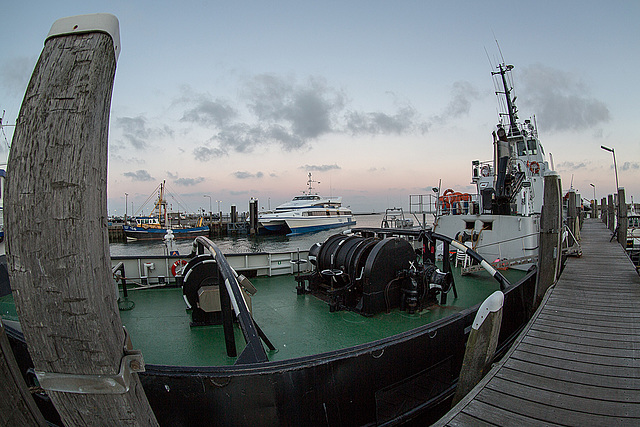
378, 99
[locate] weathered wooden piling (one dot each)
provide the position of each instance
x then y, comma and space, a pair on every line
571, 217
549, 248
253, 216
56, 226
622, 218
611, 213
603, 210
481, 344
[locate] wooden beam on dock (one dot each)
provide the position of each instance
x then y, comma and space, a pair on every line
576, 362
56, 226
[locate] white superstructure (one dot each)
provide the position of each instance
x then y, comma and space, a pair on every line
306, 213
502, 220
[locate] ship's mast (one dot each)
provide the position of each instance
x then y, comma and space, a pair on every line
511, 108
310, 184
162, 204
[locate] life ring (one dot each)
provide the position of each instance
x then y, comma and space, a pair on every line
445, 199
178, 266
534, 167
485, 171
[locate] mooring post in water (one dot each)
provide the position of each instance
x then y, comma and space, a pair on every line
253, 216
17, 407
481, 345
56, 225
622, 218
549, 247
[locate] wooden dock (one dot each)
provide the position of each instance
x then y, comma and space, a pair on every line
578, 361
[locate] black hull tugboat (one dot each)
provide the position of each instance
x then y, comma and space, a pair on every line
367, 328
373, 333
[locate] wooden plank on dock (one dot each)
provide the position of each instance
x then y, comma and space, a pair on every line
578, 361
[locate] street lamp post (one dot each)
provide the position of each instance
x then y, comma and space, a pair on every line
594, 208
126, 204
210, 210
615, 166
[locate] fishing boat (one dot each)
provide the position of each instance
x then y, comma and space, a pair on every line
155, 227
501, 221
306, 213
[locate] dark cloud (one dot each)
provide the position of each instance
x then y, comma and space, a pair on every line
319, 168
630, 166
571, 166
378, 123
205, 154
560, 100
188, 182
139, 175
247, 175
463, 94
240, 137
210, 113
291, 113
280, 110
134, 130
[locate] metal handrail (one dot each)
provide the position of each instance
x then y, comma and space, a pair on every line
254, 352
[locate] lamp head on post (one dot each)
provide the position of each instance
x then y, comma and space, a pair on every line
615, 166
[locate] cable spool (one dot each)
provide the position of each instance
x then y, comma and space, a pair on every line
327, 251
357, 256
381, 290
346, 253
200, 271
369, 269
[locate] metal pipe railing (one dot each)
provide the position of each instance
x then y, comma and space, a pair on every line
254, 351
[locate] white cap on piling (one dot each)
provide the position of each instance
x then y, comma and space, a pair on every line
95, 22
492, 304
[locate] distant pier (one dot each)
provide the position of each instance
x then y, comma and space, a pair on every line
577, 362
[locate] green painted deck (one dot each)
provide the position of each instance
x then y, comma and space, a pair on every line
297, 325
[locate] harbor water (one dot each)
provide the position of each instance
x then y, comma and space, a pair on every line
246, 243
